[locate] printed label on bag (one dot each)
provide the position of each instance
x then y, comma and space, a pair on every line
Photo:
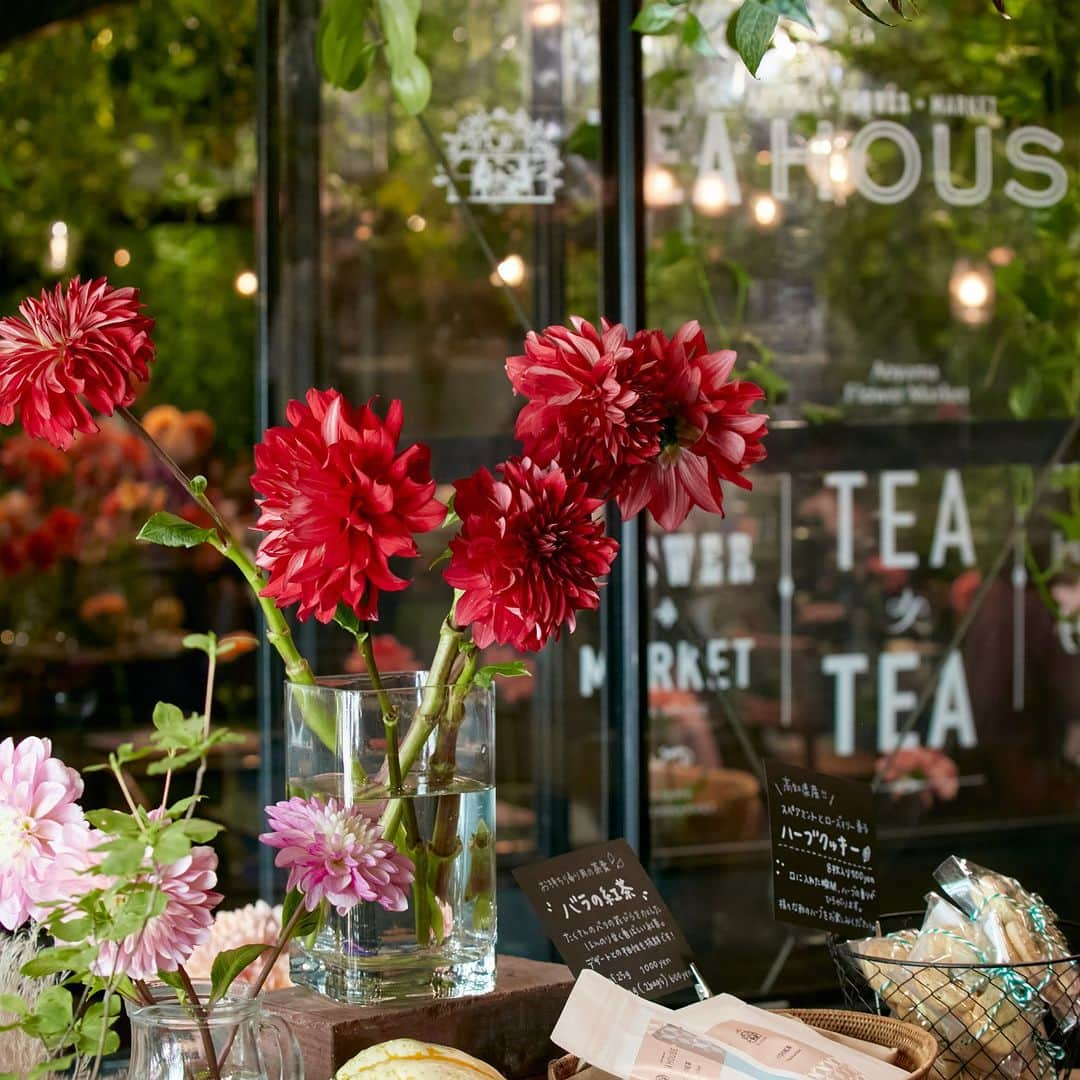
778, 1053
669, 1052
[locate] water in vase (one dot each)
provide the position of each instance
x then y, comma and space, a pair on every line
443, 944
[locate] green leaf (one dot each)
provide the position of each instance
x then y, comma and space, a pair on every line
584, 140
172, 531
197, 485
172, 845
451, 518
198, 830
308, 923
860, 6
52, 1012
1069, 524
398, 21
655, 18
790, 9
1024, 397
754, 29
695, 36
12, 1003
138, 908
173, 979
345, 56
182, 806
444, 556
228, 964
167, 717
78, 929
49, 1068
123, 856
411, 83
485, 677
113, 821
346, 618
203, 642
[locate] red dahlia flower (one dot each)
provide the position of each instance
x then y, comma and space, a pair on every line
707, 432
648, 422
528, 555
90, 346
585, 406
337, 503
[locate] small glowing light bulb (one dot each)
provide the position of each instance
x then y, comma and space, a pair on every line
710, 194
511, 271
766, 212
660, 187
246, 283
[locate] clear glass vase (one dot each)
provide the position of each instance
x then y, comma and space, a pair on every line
443, 814
233, 1040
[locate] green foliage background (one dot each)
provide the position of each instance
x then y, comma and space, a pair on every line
135, 126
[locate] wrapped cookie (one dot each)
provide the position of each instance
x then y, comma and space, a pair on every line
1021, 928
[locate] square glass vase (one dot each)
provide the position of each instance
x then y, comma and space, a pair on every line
441, 813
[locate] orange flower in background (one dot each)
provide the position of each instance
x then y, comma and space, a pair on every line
88, 346
185, 436
103, 605
131, 495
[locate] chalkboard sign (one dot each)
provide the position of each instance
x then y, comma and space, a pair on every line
823, 849
602, 911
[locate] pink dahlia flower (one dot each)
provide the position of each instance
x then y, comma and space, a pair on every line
529, 555
336, 853
337, 502
707, 432
43, 834
920, 770
90, 346
170, 938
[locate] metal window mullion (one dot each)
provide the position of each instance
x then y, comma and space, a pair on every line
624, 625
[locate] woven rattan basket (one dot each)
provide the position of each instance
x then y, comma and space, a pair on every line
917, 1048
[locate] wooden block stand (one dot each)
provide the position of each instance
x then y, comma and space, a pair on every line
508, 1028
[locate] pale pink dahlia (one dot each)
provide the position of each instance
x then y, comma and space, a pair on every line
336, 853
254, 924
170, 938
43, 833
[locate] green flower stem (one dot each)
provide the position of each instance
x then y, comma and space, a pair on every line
432, 704
297, 669
445, 845
414, 842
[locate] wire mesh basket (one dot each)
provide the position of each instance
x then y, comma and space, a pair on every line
1002, 1022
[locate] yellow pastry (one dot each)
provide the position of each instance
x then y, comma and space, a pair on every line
410, 1059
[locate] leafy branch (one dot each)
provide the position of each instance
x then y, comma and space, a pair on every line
353, 32
750, 31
